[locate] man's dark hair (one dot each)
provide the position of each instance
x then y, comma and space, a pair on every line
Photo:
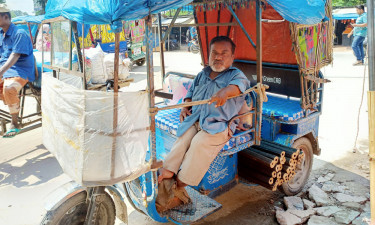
6, 14
360, 7
223, 39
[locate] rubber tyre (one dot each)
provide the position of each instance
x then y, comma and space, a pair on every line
73, 212
295, 186
195, 49
140, 62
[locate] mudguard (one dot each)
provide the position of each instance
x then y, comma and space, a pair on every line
57, 197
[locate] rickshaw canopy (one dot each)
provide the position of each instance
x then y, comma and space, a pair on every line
33, 21
301, 11
29, 19
111, 12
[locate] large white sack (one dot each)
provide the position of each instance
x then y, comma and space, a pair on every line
96, 56
78, 131
109, 65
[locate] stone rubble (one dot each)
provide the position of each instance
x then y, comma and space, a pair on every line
319, 196
327, 210
321, 220
348, 198
308, 204
325, 202
293, 202
345, 216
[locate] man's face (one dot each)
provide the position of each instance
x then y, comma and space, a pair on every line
359, 11
221, 56
3, 20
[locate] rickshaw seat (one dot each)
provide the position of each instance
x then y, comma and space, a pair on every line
282, 108
169, 120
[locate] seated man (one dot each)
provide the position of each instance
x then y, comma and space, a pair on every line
203, 131
16, 65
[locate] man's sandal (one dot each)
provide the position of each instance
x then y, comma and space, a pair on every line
11, 133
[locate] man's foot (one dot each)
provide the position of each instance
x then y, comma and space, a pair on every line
172, 204
358, 63
11, 133
164, 174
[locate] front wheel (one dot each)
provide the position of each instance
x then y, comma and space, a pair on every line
73, 212
141, 62
296, 185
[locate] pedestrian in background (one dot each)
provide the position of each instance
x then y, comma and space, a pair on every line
359, 34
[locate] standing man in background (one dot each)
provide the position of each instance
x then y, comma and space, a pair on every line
359, 33
16, 66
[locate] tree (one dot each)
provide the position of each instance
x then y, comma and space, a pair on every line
2, 1
348, 3
15, 13
40, 7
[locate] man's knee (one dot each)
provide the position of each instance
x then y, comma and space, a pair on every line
10, 91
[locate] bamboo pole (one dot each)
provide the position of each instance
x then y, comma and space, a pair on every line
115, 103
371, 118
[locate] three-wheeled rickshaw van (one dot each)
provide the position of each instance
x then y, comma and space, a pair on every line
112, 143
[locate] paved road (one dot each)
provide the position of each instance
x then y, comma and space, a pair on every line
28, 173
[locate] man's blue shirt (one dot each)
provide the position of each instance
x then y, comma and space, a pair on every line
214, 120
361, 31
17, 41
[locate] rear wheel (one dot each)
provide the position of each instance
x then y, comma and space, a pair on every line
296, 185
74, 210
195, 49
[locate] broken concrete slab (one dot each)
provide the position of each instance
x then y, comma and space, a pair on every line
321, 220
363, 219
327, 210
319, 196
304, 215
293, 202
353, 205
367, 207
333, 187
341, 197
286, 218
308, 204
345, 216
326, 178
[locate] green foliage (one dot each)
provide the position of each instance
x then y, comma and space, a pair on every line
172, 12
2, 1
348, 3
41, 5
15, 13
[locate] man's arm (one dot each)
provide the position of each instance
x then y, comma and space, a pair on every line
351, 33
13, 58
360, 25
186, 111
223, 94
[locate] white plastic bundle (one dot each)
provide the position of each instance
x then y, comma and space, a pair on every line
78, 130
96, 56
109, 65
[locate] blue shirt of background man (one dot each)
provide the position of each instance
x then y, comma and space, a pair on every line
17, 41
361, 31
214, 120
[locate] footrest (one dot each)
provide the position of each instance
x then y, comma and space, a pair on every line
200, 207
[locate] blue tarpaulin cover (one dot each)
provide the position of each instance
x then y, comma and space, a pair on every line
108, 11
33, 20
30, 19
344, 16
300, 11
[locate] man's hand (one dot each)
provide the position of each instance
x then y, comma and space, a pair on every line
185, 112
223, 94
220, 98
